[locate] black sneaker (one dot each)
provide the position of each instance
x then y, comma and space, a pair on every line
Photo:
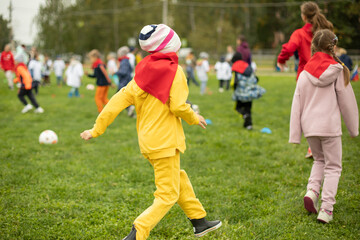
132, 234
247, 121
203, 226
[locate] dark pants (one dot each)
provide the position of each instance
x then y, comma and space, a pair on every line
191, 76
46, 79
244, 108
35, 86
224, 84
24, 92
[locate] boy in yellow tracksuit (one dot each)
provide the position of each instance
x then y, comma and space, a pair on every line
159, 92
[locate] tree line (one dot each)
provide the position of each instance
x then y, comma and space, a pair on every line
80, 25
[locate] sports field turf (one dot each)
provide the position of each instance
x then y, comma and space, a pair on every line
253, 182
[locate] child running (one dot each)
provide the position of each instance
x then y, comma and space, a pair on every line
202, 69
223, 74
246, 88
322, 95
24, 78
159, 91
102, 79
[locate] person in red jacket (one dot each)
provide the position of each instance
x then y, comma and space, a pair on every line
300, 39
8, 65
23, 77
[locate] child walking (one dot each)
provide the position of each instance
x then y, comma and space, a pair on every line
223, 74
35, 68
73, 76
102, 79
322, 95
246, 89
159, 91
24, 78
202, 69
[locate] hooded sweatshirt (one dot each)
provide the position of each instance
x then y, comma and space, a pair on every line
320, 99
299, 41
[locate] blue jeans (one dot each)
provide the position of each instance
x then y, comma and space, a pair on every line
203, 87
73, 91
59, 79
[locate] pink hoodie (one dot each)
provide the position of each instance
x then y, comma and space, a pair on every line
319, 98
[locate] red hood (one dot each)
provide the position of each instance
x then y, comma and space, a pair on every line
155, 74
97, 63
239, 66
324, 68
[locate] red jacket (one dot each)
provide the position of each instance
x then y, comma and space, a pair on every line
7, 61
300, 40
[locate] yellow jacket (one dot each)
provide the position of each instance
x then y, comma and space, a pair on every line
158, 125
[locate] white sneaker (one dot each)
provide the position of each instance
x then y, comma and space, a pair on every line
325, 216
39, 110
27, 108
311, 200
221, 90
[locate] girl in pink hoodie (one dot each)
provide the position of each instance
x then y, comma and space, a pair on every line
322, 95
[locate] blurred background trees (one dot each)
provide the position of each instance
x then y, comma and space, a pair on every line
205, 25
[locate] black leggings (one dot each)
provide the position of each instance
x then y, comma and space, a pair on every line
225, 83
24, 92
244, 108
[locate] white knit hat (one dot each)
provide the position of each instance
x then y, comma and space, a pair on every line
123, 51
159, 38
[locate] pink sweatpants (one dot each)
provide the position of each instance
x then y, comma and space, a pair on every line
327, 152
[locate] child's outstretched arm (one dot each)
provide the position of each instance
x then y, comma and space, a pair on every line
348, 106
178, 95
117, 103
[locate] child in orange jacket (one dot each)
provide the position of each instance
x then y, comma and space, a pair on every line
23, 77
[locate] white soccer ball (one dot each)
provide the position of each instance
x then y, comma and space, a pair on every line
48, 137
90, 86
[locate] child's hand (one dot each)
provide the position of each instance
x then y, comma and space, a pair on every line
86, 135
282, 66
202, 122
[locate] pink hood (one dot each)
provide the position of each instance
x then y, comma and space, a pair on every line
320, 99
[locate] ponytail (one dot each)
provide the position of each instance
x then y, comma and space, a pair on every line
319, 21
314, 16
346, 70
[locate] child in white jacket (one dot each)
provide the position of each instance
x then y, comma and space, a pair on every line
73, 76
223, 74
323, 93
202, 69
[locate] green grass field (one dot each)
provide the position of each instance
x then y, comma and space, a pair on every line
252, 181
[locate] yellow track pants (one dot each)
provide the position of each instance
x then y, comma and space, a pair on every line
172, 186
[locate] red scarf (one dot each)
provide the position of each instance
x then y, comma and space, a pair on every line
122, 58
239, 66
155, 74
97, 63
